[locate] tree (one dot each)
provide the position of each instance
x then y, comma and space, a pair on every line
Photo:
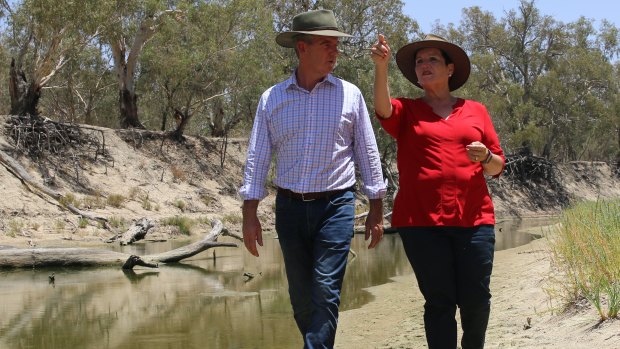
210, 66
546, 83
85, 90
43, 35
132, 25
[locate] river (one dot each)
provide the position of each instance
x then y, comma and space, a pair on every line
204, 302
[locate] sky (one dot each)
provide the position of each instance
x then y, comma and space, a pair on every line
449, 11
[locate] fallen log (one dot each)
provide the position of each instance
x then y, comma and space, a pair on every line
89, 257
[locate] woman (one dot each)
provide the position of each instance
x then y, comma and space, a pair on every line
443, 210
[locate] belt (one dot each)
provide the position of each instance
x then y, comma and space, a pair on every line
312, 196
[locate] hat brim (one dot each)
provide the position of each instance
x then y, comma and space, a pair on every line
405, 59
287, 39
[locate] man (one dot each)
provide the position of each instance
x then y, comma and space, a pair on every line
318, 128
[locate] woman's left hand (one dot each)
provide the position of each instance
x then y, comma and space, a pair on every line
477, 151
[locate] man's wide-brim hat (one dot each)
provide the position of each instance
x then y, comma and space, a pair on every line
317, 22
405, 59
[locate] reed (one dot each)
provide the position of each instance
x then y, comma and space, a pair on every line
585, 249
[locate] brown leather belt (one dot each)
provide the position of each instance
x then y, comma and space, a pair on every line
312, 196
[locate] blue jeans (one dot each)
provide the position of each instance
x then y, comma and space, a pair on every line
315, 237
453, 267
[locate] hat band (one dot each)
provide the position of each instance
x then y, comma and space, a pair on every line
317, 28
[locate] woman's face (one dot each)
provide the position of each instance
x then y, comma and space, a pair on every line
431, 68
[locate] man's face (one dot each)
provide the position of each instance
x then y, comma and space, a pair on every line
320, 54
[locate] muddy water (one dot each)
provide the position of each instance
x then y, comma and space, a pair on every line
206, 302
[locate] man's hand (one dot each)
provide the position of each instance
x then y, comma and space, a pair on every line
252, 230
374, 223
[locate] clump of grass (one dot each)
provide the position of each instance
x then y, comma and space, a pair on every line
93, 201
232, 218
69, 199
14, 228
83, 222
146, 203
118, 222
180, 204
585, 247
184, 224
116, 200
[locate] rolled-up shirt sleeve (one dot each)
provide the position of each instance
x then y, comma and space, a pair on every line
367, 155
258, 156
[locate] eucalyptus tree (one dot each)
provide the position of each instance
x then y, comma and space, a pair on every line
547, 83
41, 36
577, 97
129, 26
209, 67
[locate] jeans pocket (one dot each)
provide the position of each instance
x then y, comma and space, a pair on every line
346, 198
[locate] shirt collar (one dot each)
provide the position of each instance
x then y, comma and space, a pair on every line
291, 82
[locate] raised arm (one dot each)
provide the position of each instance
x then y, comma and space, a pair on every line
380, 54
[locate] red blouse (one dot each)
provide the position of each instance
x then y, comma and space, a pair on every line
439, 185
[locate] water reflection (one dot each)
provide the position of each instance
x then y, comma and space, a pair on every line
205, 302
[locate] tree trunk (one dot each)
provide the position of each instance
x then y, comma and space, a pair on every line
24, 96
217, 122
182, 119
89, 257
128, 103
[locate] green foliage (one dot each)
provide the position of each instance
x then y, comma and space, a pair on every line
586, 252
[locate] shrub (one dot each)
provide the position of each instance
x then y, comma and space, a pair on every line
585, 248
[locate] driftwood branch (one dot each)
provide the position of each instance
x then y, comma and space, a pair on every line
136, 232
192, 249
55, 257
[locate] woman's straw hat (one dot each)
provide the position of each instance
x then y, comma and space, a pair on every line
405, 58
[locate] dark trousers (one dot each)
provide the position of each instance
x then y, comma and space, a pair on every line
315, 237
453, 267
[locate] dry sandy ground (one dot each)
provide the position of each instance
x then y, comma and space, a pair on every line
520, 277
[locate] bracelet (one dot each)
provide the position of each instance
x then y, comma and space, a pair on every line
488, 158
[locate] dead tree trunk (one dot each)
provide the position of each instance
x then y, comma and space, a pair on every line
88, 257
24, 95
136, 232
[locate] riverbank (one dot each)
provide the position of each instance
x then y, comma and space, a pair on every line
522, 314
